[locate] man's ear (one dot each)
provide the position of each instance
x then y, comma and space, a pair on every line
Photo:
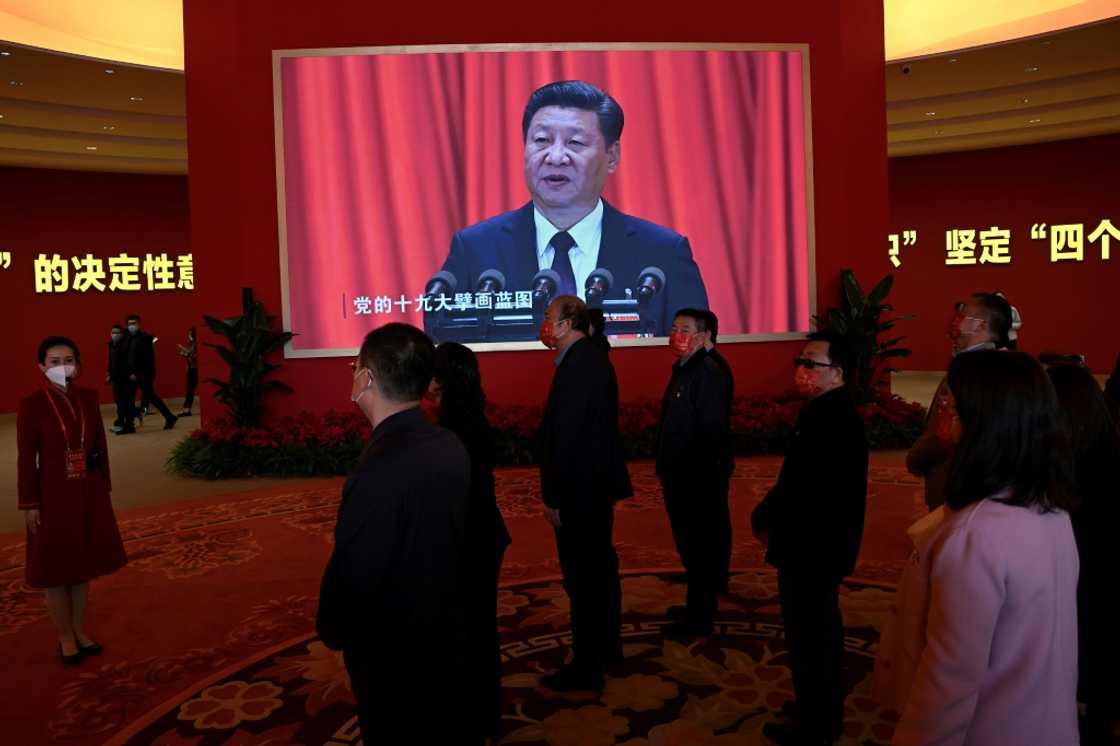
614, 156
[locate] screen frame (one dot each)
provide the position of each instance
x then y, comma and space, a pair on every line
281, 207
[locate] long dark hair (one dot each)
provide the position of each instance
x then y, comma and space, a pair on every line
462, 402
1011, 437
1094, 439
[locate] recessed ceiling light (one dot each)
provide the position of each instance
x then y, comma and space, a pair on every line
931, 113
5, 53
1034, 121
135, 98
952, 60
91, 147
1026, 101
108, 127
1045, 43
1031, 69
1, 116
109, 71
15, 82
937, 132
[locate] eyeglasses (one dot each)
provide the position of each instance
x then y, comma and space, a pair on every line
804, 362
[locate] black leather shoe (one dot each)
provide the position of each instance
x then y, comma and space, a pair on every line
92, 649
574, 679
170, 422
69, 660
126, 431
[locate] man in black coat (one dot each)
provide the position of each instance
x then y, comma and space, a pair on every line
142, 374
690, 465
116, 375
811, 524
571, 137
583, 473
391, 596
728, 467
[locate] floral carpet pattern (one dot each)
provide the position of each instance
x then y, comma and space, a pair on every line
209, 631
717, 691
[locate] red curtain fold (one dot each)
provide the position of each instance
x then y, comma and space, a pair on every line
386, 156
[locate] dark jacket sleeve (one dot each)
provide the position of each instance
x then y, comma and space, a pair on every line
567, 469
710, 405
365, 540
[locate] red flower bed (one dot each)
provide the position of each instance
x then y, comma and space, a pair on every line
317, 444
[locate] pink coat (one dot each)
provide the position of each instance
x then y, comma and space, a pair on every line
999, 663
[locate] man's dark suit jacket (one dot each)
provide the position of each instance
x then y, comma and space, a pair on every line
692, 435
578, 447
141, 355
729, 400
508, 243
118, 368
393, 581
814, 514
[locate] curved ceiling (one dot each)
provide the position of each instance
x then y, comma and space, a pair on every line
71, 109
1053, 87
137, 32
919, 28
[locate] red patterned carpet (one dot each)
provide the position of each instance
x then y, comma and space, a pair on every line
209, 631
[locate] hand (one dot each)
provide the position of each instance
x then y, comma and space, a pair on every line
552, 515
108, 378
132, 377
32, 519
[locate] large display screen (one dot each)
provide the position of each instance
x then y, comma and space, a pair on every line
460, 189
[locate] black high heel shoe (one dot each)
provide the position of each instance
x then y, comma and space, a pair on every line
91, 649
69, 660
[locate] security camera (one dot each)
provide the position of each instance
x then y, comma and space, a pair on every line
905, 69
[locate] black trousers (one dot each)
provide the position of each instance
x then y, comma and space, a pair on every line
192, 384
483, 649
405, 701
121, 391
585, 545
145, 386
725, 532
694, 512
815, 641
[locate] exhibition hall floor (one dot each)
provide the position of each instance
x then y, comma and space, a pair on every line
209, 630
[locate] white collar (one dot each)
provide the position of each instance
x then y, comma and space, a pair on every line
583, 233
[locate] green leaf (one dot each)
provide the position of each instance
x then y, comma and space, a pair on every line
853, 293
881, 290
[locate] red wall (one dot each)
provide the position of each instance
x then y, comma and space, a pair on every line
1066, 306
75, 213
232, 158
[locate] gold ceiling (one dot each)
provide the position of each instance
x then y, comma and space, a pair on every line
70, 108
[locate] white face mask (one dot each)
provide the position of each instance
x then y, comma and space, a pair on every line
355, 397
59, 373
133, 328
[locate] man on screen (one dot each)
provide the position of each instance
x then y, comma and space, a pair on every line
572, 134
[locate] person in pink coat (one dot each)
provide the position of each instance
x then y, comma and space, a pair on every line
999, 662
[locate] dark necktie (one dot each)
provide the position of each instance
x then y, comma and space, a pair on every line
561, 244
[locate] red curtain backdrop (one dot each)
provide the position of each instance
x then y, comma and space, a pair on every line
386, 156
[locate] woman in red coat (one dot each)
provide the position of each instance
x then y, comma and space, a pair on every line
72, 534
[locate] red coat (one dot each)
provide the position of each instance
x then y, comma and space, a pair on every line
77, 538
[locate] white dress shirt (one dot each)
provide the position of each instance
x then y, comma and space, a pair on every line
587, 233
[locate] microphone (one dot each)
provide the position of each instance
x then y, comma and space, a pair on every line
491, 281
651, 281
441, 283
544, 285
597, 285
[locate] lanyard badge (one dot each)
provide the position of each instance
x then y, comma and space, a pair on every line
76, 462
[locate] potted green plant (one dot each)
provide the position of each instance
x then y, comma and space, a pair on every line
860, 318
250, 339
